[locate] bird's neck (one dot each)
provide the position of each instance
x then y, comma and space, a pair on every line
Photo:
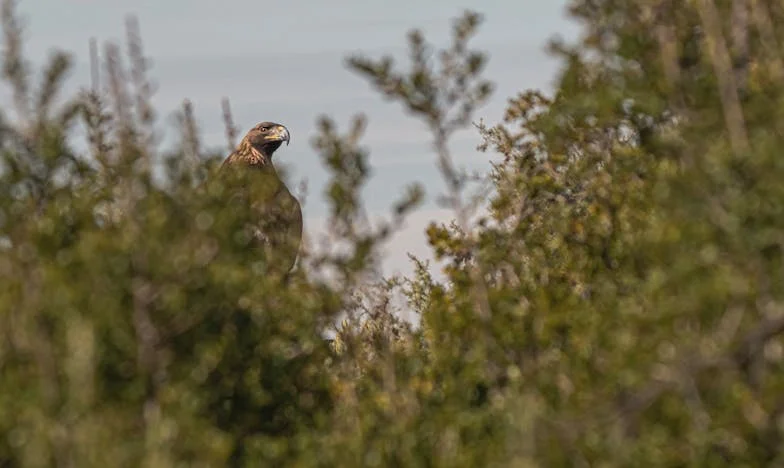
253, 155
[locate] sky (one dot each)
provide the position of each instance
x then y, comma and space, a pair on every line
285, 61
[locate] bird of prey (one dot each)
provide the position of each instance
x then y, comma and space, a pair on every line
279, 227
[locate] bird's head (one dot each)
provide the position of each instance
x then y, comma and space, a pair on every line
266, 137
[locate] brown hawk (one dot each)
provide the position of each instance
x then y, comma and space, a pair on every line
279, 227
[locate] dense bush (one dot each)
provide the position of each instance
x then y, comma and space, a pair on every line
621, 302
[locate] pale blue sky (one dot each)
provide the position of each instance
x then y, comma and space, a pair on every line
283, 61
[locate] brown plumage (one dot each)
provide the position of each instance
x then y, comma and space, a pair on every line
279, 229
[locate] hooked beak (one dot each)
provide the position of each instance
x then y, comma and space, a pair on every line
279, 133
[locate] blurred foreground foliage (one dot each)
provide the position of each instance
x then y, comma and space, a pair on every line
618, 301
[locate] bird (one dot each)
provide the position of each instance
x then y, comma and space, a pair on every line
278, 229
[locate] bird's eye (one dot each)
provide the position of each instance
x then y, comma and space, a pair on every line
263, 129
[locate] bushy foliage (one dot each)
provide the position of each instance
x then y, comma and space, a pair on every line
619, 303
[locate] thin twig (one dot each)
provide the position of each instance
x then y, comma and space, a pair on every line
722, 67
95, 71
739, 21
668, 49
767, 34
191, 143
228, 122
16, 70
